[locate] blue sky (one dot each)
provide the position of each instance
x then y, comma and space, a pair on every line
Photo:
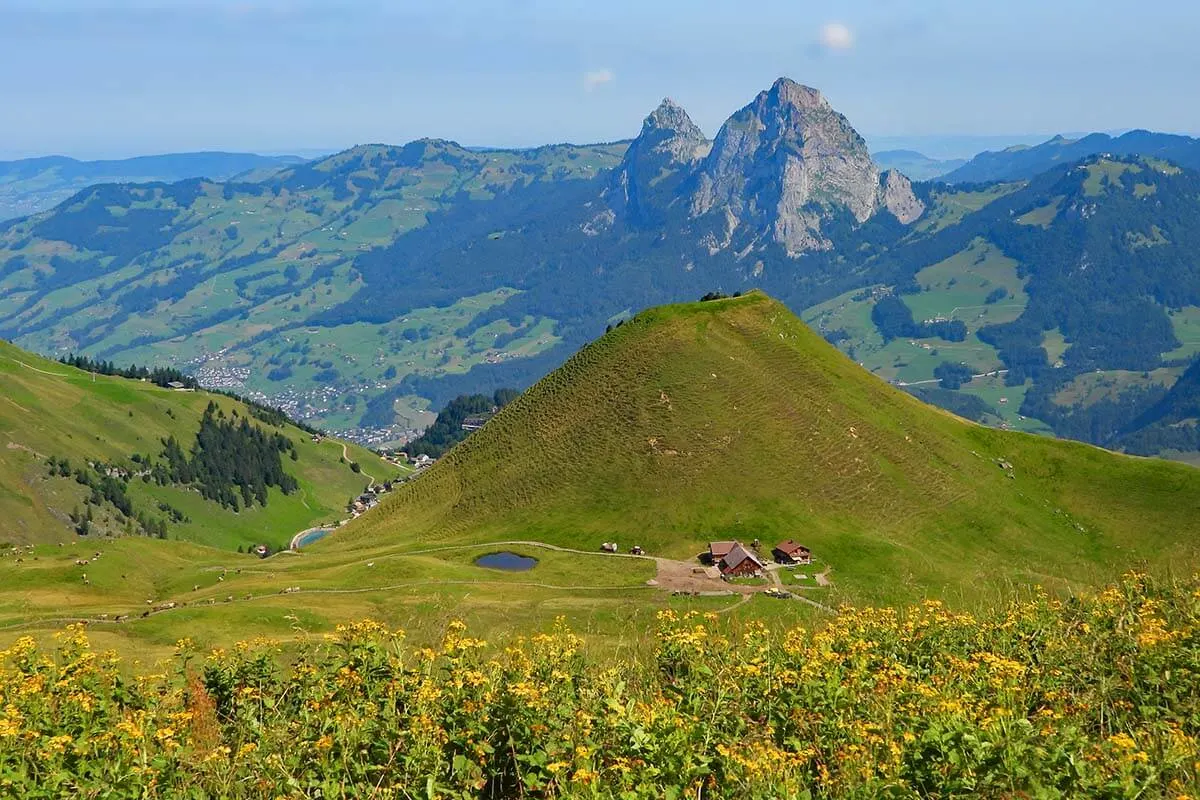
113, 78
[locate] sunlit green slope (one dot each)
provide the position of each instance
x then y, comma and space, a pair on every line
733, 419
48, 410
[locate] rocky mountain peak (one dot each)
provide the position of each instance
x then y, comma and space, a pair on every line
896, 195
669, 131
669, 116
664, 153
783, 163
786, 91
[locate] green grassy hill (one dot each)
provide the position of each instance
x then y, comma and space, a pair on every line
49, 410
734, 419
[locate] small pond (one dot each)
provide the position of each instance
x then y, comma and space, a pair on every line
509, 562
310, 536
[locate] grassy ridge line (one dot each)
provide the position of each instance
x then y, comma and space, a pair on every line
49, 409
733, 419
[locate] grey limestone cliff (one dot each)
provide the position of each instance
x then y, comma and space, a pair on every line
782, 163
657, 161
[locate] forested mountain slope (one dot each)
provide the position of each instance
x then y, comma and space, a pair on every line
219, 278
1082, 283
93, 455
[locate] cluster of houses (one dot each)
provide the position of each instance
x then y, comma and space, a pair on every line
400, 458
735, 560
370, 497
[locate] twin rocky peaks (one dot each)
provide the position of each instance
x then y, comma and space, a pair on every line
778, 168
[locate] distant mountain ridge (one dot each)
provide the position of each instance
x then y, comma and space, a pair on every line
363, 238
31, 185
1023, 162
358, 290
917, 166
232, 266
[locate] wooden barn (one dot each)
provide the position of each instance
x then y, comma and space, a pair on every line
740, 562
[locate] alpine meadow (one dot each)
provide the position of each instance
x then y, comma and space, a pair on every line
802, 443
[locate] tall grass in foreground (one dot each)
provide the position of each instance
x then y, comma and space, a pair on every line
1091, 697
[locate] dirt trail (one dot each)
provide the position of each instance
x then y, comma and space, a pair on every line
44, 372
18, 446
346, 455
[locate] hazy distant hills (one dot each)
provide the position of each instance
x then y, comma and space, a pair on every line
1020, 162
30, 185
916, 165
359, 289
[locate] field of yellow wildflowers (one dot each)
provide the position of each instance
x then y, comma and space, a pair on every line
1097, 696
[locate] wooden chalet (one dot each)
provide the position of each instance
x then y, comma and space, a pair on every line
790, 552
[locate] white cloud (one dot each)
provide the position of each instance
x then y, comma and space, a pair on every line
836, 36
597, 78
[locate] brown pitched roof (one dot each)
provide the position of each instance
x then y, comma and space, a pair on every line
791, 547
719, 550
737, 555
